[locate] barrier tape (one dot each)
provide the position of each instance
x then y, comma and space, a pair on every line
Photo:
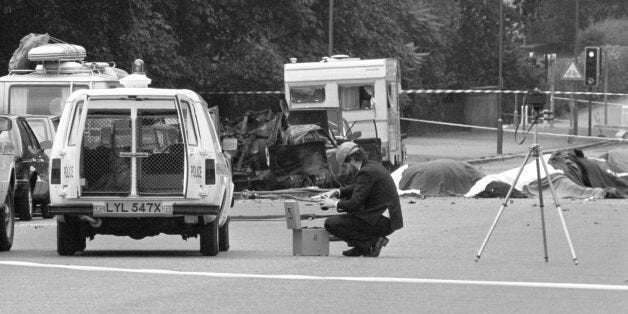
436, 91
513, 131
493, 91
593, 102
246, 93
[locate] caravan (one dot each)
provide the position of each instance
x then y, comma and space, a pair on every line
358, 97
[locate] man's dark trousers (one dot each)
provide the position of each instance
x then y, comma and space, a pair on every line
357, 232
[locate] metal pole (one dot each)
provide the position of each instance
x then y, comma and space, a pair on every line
331, 28
590, 111
574, 105
577, 24
516, 113
500, 130
605, 69
552, 78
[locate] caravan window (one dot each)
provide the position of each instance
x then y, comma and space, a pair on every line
356, 97
39, 99
301, 94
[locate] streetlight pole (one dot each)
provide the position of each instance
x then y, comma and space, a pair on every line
574, 106
331, 28
500, 122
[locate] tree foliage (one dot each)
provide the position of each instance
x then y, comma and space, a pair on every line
553, 21
227, 45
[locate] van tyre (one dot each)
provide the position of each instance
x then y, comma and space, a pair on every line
209, 238
7, 222
24, 205
223, 236
69, 238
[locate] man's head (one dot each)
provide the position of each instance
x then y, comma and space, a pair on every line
349, 153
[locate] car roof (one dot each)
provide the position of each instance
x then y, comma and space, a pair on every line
10, 116
159, 92
37, 116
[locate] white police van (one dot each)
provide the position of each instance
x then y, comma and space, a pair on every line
138, 162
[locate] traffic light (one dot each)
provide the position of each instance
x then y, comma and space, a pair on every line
592, 57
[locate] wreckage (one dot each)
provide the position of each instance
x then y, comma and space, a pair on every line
326, 103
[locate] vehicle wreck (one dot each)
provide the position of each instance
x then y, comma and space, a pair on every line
326, 103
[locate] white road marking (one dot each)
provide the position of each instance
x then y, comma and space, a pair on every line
306, 277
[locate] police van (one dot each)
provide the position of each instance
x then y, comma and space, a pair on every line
137, 162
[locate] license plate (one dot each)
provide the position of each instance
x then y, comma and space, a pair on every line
136, 207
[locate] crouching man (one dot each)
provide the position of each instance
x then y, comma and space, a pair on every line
362, 223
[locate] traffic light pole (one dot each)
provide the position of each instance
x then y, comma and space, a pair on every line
500, 121
590, 110
574, 113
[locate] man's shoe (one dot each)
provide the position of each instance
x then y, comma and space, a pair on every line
353, 252
377, 247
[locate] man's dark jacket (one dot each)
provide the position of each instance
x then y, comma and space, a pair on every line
372, 192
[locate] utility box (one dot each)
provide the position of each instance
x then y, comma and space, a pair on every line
310, 242
305, 241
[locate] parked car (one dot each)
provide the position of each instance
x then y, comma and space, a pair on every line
7, 186
138, 162
26, 166
45, 128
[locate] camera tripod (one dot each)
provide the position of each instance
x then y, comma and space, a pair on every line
536, 152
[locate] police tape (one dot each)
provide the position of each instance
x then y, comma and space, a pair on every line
496, 91
246, 93
437, 91
593, 102
513, 131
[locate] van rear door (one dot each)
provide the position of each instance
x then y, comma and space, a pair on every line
72, 177
195, 147
133, 147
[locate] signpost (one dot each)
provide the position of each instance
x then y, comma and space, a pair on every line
572, 74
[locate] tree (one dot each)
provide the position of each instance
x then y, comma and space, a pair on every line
552, 22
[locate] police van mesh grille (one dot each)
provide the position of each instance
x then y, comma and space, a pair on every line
104, 171
107, 154
162, 172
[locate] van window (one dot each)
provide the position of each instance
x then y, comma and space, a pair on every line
29, 141
157, 129
302, 94
214, 135
40, 129
74, 126
110, 128
356, 97
6, 143
39, 99
189, 124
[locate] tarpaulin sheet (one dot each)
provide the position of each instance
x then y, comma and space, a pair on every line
588, 173
442, 177
527, 176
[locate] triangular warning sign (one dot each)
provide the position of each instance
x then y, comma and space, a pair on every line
572, 73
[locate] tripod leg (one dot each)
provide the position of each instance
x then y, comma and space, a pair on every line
560, 211
541, 205
501, 209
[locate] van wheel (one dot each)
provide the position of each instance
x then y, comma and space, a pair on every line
7, 222
223, 237
209, 238
24, 205
69, 238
